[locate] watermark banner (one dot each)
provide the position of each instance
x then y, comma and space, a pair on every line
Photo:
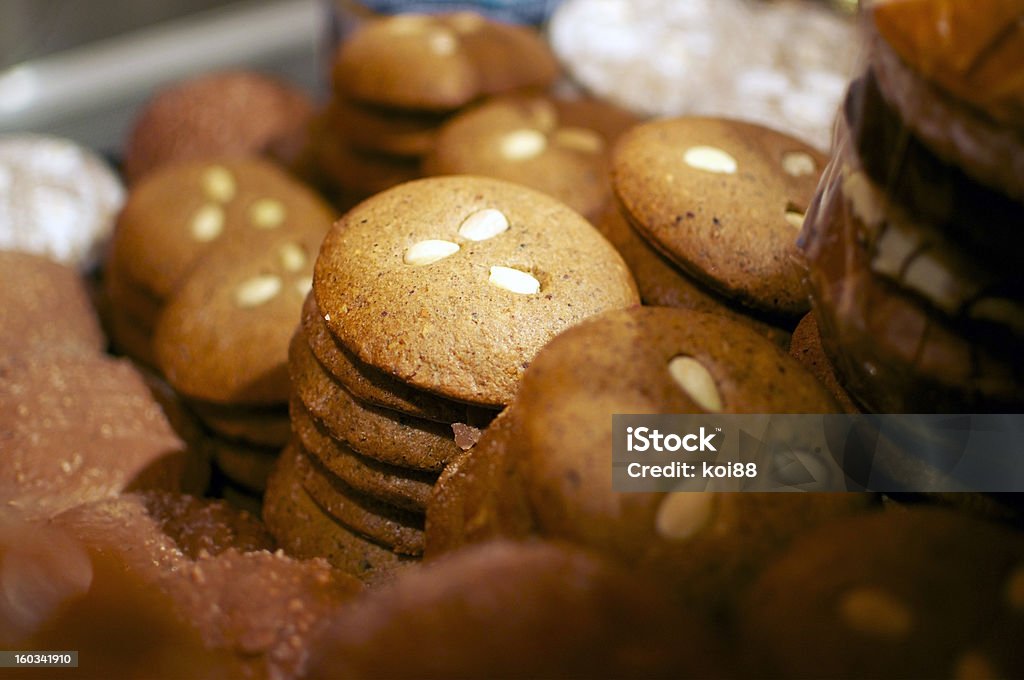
885, 453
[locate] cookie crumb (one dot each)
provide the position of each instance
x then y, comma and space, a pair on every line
466, 436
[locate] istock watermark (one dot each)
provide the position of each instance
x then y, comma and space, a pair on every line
801, 452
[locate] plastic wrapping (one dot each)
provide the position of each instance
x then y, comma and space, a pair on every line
913, 240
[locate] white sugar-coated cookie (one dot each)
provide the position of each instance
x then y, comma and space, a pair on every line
56, 199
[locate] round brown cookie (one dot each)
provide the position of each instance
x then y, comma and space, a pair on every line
245, 465
462, 280
378, 433
269, 427
385, 131
922, 593
554, 146
223, 336
218, 115
480, 495
44, 306
304, 530
387, 525
181, 212
661, 360
402, 487
960, 91
439, 62
893, 344
257, 605
661, 283
515, 610
57, 199
723, 199
806, 348
81, 427
359, 173
372, 386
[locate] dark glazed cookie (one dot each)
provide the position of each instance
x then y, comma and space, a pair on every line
452, 284
725, 200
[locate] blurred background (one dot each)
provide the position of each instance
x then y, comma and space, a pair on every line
79, 69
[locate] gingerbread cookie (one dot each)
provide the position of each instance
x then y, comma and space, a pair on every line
920, 593
505, 609
402, 487
660, 360
958, 91
304, 530
910, 324
384, 435
218, 115
480, 495
462, 280
439, 62
223, 336
356, 174
268, 427
725, 201
381, 130
386, 525
182, 212
556, 146
806, 348
373, 386
661, 283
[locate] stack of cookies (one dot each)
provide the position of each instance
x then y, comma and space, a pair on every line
210, 264
913, 240
429, 301
397, 79
708, 215
558, 146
